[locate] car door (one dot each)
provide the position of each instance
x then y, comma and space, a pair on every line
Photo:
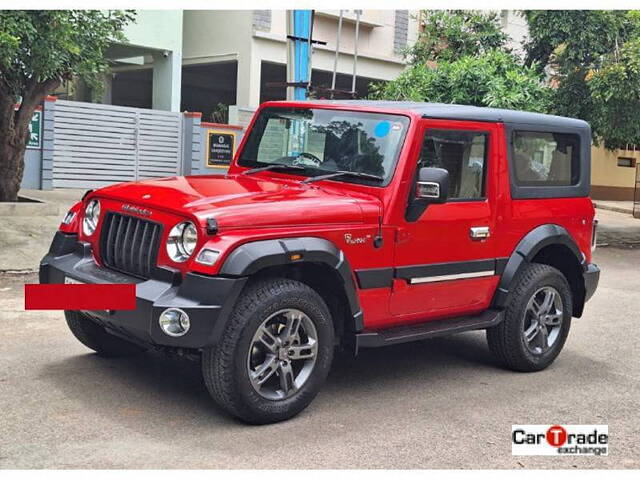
445, 259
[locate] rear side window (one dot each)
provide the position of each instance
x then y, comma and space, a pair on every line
546, 159
463, 154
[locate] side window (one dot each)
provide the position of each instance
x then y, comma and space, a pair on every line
463, 154
546, 159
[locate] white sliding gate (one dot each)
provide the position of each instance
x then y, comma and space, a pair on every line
96, 145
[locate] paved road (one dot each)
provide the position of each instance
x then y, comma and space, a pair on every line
435, 404
618, 229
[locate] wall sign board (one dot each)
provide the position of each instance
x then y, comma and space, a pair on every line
220, 148
35, 130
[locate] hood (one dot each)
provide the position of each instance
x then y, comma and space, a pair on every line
248, 201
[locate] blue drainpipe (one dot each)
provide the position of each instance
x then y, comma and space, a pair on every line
301, 29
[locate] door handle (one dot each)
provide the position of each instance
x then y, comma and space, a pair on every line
479, 232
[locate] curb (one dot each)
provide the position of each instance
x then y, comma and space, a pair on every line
612, 208
29, 207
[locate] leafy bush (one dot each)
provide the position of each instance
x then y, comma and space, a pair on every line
495, 79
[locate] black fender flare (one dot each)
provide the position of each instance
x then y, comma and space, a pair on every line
534, 241
249, 258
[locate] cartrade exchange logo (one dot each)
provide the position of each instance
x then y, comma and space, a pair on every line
560, 440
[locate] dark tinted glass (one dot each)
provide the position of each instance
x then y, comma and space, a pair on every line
546, 159
463, 154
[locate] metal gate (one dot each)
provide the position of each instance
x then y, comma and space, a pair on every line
636, 193
96, 145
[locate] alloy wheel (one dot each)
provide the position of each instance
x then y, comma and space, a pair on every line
282, 354
543, 320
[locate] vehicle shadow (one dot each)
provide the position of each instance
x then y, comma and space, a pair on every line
155, 389
150, 385
153, 380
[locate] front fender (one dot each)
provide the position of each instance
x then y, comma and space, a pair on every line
249, 258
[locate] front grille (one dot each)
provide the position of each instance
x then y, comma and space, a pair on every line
129, 244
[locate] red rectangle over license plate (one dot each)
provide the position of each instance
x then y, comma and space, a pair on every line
85, 296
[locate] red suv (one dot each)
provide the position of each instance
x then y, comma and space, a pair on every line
354, 224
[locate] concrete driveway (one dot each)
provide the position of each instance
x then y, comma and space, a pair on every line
434, 404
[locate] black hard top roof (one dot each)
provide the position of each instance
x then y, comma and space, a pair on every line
464, 112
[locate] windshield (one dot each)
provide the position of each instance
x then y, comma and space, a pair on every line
324, 141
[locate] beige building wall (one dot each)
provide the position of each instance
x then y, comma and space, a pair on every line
219, 35
211, 36
160, 29
608, 180
514, 25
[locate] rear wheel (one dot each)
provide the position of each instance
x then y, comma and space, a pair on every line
274, 355
537, 320
97, 338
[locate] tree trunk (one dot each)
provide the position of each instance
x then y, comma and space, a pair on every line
11, 168
10, 155
14, 135
13, 141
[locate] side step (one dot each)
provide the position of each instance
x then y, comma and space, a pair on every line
422, 331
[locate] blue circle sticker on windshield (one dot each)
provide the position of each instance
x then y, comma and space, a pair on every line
382, 129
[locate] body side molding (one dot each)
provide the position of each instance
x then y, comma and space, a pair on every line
430, 272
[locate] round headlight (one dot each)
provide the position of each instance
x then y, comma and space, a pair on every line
182, 241
91, 217
189, 238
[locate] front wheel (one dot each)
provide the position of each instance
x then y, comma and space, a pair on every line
275, 353
536, 321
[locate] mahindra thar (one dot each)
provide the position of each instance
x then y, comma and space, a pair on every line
350, 224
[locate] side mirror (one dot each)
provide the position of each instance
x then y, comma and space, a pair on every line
433, 185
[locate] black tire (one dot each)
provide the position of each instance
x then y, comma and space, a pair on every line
507, 339
97, 338
225, 365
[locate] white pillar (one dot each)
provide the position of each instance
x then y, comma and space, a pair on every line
249, 72
167, 80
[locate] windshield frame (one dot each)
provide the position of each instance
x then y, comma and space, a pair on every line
311, 171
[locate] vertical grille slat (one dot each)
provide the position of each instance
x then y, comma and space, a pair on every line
118, 246
111, 233
126, 242
142, 244
134, 242
129, 244
154, 231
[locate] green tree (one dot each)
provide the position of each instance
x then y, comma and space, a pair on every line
592, 58
461, 57
447, 35
38, 51
614, 93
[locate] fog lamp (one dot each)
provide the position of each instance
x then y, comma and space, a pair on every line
174, 322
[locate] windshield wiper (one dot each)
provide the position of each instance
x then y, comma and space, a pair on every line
273, 166
344, 173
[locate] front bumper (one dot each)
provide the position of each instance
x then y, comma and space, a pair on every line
207, 300
591, 277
